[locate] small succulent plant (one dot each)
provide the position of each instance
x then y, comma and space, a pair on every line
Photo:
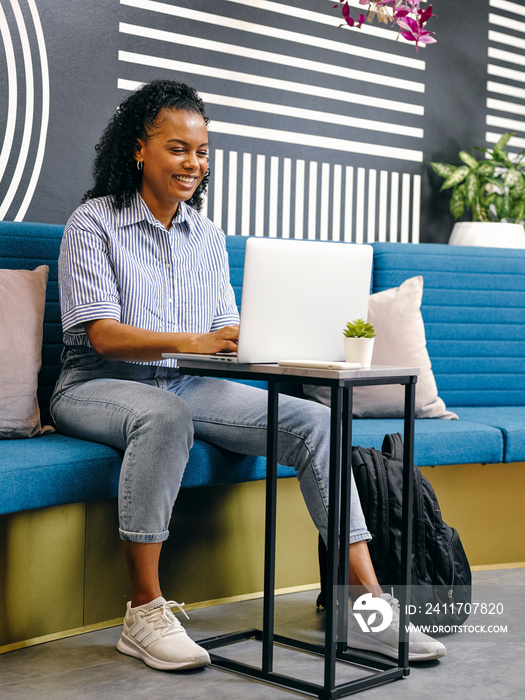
359, 329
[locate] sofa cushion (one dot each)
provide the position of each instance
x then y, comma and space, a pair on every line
509, 419
474, 313
55, 469
437, 441
22, 303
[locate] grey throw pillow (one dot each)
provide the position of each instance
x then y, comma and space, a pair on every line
400, 340
22, 303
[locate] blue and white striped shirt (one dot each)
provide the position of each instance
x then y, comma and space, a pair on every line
126, 266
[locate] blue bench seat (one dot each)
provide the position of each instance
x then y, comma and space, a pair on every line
510, 420
437, 441
56, 469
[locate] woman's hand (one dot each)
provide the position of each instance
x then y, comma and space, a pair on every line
118, 341
224, 339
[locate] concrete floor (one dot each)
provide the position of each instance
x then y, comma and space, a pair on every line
482, 665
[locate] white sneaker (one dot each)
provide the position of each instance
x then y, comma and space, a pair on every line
152, 633
421, 646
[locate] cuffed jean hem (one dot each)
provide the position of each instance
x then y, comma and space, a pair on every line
144, 537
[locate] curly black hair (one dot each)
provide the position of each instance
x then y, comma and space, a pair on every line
115, 169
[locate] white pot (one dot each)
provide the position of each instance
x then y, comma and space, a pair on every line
359, 350
488, 234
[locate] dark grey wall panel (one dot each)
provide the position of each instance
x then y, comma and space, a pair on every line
316, 131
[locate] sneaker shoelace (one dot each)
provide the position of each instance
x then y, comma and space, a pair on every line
163, 620
394, 604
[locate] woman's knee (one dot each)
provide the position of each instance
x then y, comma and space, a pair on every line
165, 415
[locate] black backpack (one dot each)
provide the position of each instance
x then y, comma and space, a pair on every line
441, 577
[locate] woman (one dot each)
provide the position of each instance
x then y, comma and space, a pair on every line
142, 273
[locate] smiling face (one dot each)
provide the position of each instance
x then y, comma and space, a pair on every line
175, 159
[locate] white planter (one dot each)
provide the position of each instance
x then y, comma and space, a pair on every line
488, 234
359, 350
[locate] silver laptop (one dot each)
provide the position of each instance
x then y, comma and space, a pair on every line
297, 296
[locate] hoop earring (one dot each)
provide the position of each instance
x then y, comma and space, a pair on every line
140, 165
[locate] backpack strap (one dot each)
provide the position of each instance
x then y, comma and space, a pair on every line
393, 446
393, 450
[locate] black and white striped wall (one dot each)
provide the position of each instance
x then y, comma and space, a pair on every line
316, 131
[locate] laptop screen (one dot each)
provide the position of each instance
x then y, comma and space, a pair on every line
298, 296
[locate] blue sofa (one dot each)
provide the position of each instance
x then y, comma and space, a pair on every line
474, 313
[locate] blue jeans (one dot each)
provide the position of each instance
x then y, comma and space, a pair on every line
152, 414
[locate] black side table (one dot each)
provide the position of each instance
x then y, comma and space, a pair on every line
341, 383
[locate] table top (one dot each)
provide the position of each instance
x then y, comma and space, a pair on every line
373, 372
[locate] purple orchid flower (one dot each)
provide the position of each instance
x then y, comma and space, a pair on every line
407, 14
412, 29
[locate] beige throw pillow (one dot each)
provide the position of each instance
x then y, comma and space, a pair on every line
400, 340
22, 303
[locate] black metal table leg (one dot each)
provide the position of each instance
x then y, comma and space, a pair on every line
407, 511
270, 528
344, 529
333, 537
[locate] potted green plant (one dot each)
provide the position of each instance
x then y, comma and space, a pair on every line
359, 341
492, 189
